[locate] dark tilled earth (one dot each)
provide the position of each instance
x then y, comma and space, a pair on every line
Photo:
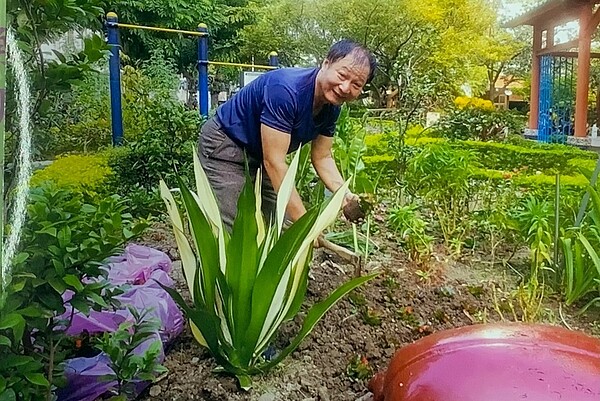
397, 308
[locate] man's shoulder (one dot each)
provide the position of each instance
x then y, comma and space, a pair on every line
292, 78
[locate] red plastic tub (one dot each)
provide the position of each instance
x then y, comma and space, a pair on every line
507, 362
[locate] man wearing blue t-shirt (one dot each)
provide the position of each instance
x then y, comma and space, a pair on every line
276, 114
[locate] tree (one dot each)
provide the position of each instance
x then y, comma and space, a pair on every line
38, 23
426, 49
224, 18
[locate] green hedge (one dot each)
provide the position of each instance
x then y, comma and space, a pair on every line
501, 156
533, 165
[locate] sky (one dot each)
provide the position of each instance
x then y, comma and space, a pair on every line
513, 8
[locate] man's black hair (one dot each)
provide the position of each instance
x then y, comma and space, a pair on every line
341, 49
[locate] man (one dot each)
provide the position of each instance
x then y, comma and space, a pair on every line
276, 114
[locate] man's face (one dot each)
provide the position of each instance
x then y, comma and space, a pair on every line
344, 79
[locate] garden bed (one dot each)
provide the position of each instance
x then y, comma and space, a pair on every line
359, 335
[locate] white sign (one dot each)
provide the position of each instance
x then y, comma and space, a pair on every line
249, 76
432, 118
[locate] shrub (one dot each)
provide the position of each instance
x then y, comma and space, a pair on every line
86, 174
441, 176
140, 165
63, 244
148, 104
474, 118
407, 222
501, 156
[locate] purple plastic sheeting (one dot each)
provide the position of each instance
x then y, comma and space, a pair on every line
140, 267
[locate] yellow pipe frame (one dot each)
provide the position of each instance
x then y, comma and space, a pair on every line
264, 67
153, 28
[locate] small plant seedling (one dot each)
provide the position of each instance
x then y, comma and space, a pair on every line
121, 347
359, 368
441, 316
447, 291
424, 275
407, 315
371, 317
390, 283
357, 299
475, 290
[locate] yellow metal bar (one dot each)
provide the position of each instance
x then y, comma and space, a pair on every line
153, 28
264, 67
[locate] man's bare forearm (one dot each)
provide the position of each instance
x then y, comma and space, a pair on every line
276, 172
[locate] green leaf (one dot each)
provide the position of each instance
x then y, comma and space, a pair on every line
591, 252
30, 311
59, 267
245, 382
270, 277
64, 236
80, 305
315, 314
206, 244
188, 259
37, 379
48, 230
12, 361
58, 284
10, 321
52, 300
74, 282
8, 395
285, 191
242, 261
98, 299
5, 341
20, 258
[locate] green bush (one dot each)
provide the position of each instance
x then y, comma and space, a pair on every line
479, 124
63, 244
441, 176
85, 174
140, 165
83, 116
501, 156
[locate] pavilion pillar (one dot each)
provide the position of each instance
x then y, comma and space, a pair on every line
534, 101
583, 71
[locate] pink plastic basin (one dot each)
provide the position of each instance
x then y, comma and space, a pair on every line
507, 362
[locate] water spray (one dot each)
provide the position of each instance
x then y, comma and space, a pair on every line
23, 168
2, 108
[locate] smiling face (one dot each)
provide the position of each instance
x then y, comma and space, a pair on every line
342, 80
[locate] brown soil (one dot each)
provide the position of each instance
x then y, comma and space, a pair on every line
397, 308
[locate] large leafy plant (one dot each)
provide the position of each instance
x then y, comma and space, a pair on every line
580, 255
63, 246
244, 285
441, 176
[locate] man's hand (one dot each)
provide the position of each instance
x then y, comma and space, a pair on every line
352, 209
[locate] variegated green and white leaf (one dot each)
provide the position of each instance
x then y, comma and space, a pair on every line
188, 259
209, 206
260, 221
285, 191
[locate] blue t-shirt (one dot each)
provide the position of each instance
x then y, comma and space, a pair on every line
281, 99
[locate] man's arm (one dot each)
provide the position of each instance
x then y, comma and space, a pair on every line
275, 145
322, 160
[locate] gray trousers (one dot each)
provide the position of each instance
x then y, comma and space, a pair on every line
225, 166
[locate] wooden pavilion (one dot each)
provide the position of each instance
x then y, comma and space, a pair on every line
545, 19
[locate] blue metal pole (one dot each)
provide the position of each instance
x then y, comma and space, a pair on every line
115, 78
273, 59
203, 97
